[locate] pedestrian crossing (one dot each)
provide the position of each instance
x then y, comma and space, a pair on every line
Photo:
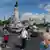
0, 48
0, 43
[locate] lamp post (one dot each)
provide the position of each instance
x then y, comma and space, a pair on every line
44, 20
4, 20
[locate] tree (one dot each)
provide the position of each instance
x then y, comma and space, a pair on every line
6, 22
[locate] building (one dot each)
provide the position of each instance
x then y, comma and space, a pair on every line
38, 18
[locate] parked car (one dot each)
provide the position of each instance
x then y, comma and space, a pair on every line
34, 30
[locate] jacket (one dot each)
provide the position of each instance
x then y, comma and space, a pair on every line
43, 47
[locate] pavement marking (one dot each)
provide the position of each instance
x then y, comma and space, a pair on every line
0, 48
8, 47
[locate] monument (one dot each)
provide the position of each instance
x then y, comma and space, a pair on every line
15, 22
16, 13
15, 16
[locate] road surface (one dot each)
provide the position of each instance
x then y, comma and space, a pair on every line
32, 44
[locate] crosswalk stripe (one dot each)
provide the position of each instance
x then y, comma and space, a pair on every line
0, 48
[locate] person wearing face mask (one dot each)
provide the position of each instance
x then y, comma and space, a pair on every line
45, 44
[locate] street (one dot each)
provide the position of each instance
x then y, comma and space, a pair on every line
32, 44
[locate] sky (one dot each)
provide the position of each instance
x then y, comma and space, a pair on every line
33, 6
6, 8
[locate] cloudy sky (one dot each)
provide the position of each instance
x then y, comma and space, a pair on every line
6, 8
33, 6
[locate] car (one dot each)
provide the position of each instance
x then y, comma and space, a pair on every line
34, 31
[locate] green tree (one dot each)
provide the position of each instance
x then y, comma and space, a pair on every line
6, 22
1, 23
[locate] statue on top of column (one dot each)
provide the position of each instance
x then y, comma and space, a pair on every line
16, 5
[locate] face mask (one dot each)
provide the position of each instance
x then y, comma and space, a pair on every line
46, 43
45, 46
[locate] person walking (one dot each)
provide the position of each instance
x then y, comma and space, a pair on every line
45, 44
5, 40
24, 35
5, 37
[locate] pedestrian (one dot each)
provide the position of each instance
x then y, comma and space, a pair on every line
5, 40
6, 37
24, 35
47, 29
45, 44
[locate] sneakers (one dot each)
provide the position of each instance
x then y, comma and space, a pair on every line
22, 49
7, 47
